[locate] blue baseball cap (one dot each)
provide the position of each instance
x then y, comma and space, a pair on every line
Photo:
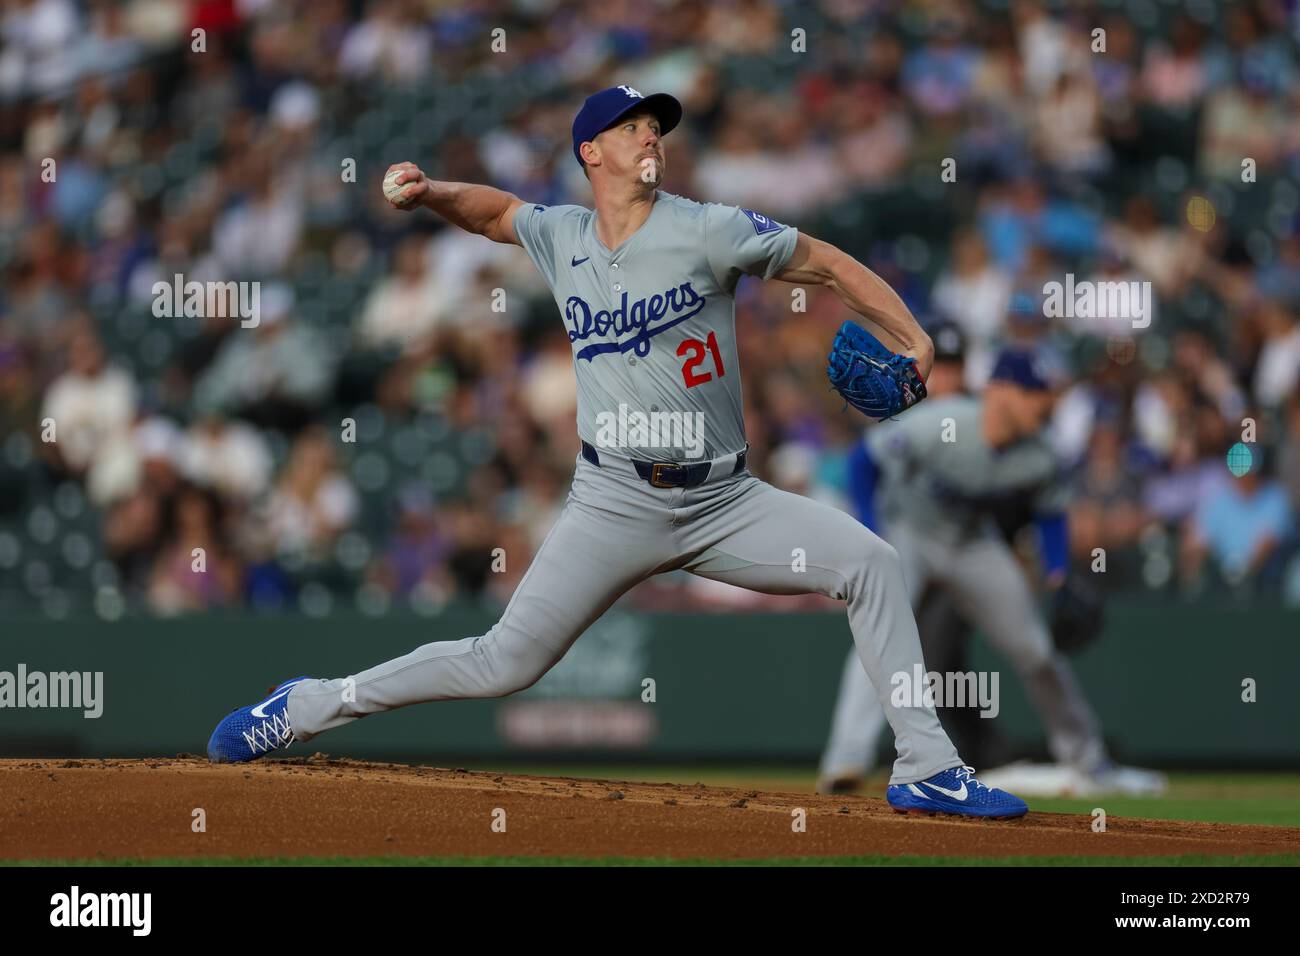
602, 110
1029, 368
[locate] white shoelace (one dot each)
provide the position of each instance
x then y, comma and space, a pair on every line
272, 733
967, 775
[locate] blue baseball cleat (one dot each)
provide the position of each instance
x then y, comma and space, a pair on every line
956, 792
251, 732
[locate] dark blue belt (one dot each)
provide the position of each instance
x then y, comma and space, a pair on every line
667, 474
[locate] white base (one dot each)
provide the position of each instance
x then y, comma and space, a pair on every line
1026, 779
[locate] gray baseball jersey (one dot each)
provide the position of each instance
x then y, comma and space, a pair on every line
652, 323
940, 475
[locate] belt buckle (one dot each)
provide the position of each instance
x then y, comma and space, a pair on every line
655, 480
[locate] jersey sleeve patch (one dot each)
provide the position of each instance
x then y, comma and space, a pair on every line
761, 223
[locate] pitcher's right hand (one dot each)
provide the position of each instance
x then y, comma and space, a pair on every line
405, 186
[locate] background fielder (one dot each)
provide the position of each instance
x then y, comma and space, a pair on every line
944, 632
938, 474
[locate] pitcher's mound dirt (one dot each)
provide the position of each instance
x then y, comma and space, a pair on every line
113, 809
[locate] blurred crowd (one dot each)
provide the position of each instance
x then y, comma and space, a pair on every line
398, 427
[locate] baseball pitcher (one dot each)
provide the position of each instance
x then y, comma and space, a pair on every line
645, 285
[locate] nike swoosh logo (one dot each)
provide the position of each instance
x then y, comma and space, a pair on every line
578, 262
261, 714
955, 794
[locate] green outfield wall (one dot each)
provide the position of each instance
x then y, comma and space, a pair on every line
1167, 680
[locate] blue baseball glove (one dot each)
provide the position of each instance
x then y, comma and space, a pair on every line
877, 382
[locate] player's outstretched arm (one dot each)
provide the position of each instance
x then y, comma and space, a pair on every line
483, 210
815, 262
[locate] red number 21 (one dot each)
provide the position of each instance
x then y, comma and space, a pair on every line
696, 348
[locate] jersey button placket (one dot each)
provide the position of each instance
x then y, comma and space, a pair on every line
618, 287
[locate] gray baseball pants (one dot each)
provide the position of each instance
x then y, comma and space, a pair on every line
616, 530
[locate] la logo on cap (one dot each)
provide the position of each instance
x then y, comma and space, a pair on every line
632, 92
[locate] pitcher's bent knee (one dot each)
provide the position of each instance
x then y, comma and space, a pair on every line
865, 561
511, 665
875, 555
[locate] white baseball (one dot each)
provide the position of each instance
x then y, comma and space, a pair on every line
393, 190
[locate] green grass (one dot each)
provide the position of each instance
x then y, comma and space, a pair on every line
1271, 799
1280, 859
1263, 799
1264, 811
1270, 860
